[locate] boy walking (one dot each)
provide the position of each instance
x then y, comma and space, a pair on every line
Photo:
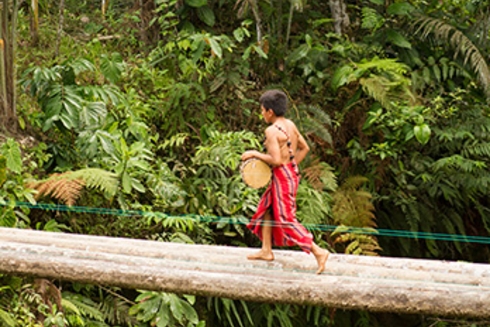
275, 221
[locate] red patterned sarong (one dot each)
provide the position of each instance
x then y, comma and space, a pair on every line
280, 198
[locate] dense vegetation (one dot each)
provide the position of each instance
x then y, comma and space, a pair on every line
147, 105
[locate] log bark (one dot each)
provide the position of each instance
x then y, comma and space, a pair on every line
350, 282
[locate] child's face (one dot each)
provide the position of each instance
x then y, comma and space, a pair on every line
265, 113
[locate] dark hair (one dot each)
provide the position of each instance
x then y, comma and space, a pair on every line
275, 100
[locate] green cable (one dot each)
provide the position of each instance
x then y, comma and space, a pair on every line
240, 220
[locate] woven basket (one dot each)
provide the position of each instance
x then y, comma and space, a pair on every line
255, 173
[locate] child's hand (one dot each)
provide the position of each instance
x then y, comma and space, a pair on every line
249, 154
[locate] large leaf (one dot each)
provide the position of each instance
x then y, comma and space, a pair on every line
215, 47
196, 3
3, 170
397, 39
342, 76
206, 15
81, 65
400, 8
112, 67
93, 114
12, 154
422, 133
6, 319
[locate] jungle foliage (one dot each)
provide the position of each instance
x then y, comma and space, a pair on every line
147, 106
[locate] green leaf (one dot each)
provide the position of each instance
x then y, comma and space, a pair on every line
69, 307
12, 154
136, 184
7, 319
400, 8
299, 53
126, 182
112, 67
93, 114
239, 35
422, 133
215, 47
397, 39
342, 76
196, 3
3, 170
163, 316
206, 15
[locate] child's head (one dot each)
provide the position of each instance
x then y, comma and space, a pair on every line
276, 101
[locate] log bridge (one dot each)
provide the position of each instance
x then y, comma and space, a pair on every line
377, 284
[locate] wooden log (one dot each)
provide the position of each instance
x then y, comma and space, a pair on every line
230, 281
357, 266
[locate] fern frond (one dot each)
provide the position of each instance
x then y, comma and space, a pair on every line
82, 305
315, 121
67, 186
462, 45
357, 244
354, 182
353, 207
101, 179
60, 187
321, 176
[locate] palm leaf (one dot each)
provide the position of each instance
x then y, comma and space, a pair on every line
462, 45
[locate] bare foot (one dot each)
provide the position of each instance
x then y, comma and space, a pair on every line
322, 259
261, 255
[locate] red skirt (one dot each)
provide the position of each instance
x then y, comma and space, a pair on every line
280, 198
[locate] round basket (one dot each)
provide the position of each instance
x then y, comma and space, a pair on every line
255, 173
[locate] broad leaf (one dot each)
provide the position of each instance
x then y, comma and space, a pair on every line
93, 114
397, 39
342, 76
215, 47
196, 3
206, 15
112, 67
7, 319
3, 170
12, 154
400, 8
422, 133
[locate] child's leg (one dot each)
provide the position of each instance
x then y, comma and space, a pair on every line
265, 252
321, 256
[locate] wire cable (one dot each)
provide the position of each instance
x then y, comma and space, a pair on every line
241, 220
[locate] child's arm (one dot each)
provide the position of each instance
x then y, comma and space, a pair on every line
273, 155
302, 149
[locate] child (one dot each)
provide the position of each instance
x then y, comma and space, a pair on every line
275, 220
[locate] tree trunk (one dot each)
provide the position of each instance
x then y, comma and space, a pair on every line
61, 22
8, 30
349, 282
339, 15
34, 22
105, 6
